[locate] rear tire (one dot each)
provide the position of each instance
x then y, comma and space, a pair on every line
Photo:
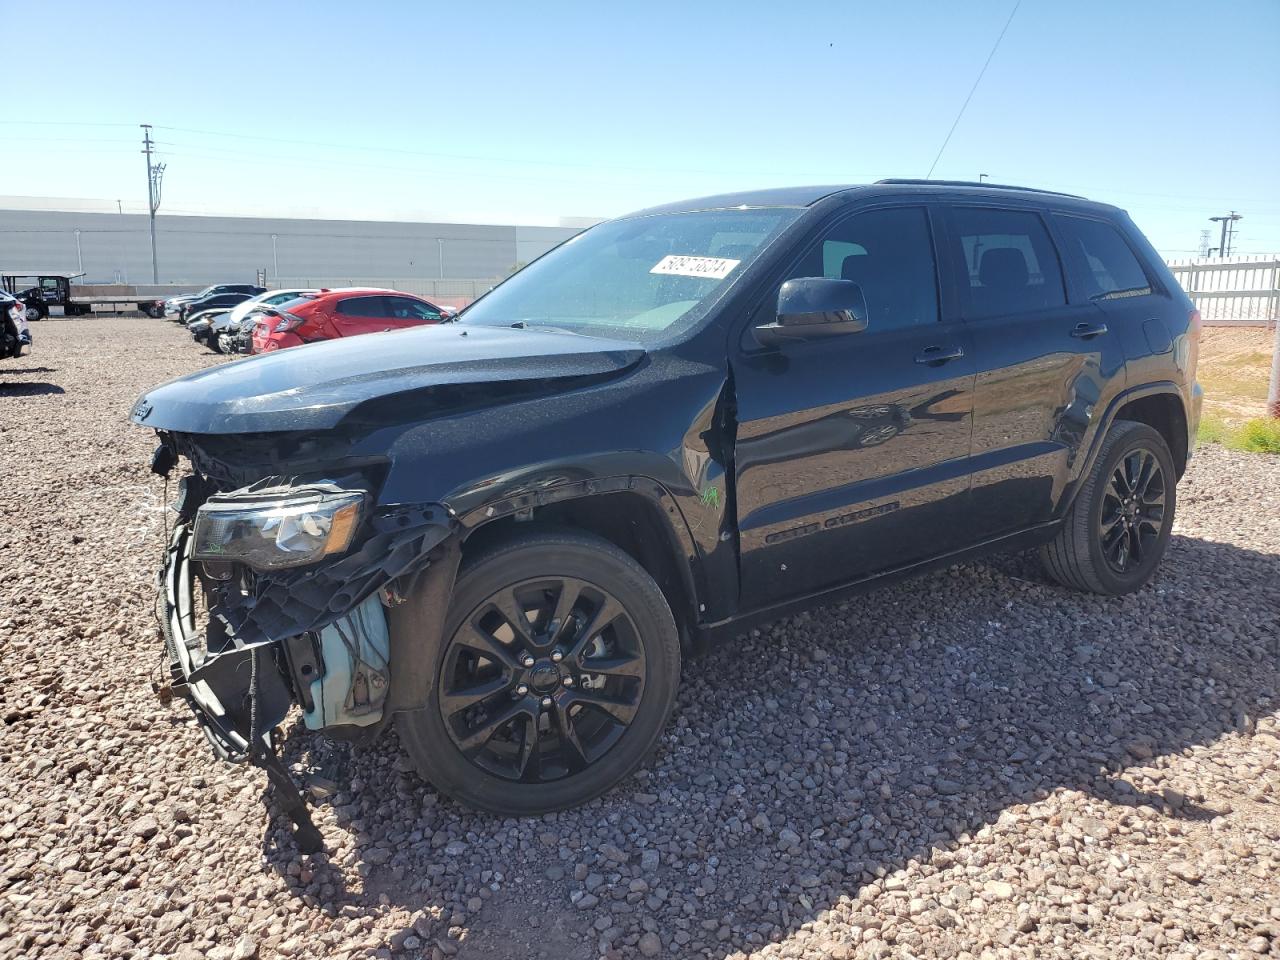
1118, 528
566, 740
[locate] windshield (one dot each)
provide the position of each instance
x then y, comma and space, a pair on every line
636, 279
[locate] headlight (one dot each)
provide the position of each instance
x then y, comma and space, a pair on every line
284, 532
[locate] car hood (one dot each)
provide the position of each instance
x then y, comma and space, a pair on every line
314, 386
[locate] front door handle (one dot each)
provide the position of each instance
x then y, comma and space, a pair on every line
936, 356
1087, 331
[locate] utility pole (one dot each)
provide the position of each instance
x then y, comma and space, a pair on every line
155, 174
1228, 230
124, 269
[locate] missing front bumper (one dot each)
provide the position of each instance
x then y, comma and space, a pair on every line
242, 669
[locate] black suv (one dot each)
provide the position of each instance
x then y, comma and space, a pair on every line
225, 296
507, 532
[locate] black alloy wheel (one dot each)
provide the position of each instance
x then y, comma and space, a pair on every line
1132, 516
1117, 528
554, 675
542, 680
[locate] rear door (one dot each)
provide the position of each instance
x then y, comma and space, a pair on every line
851, 451
1104, 269
1044, 360
352, 316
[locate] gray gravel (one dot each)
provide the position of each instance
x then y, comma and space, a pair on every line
975, 764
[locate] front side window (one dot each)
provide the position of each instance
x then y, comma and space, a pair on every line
1009, 260
889, 253
1104, 263
637, 279
402, 308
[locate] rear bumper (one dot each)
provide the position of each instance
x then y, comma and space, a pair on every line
276, 341
1193, 417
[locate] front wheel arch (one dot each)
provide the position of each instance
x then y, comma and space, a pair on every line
632, 521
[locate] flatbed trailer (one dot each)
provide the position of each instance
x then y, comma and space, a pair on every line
49, 294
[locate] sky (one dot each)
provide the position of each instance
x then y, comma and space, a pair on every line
529, 112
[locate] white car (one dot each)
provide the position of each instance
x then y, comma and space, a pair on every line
272, 298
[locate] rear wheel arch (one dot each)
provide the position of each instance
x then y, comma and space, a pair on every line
1164, 412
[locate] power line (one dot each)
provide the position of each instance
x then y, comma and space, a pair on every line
522, 161
981, 73
61, 123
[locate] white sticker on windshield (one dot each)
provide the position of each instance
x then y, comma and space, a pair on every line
714, 268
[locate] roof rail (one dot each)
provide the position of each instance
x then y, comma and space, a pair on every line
974, 183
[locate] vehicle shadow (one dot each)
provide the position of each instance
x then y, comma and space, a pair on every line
810, 760
36, 389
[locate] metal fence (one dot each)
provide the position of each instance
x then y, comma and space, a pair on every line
1236, 291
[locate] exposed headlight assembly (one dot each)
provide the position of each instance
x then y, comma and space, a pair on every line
279, 527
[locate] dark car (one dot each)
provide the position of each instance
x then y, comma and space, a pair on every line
224, 298
162, 308
507, 532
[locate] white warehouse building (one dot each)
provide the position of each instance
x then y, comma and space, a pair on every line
442, 259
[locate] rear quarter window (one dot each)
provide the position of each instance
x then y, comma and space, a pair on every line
1100, 259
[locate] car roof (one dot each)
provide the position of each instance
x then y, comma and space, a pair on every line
809, 196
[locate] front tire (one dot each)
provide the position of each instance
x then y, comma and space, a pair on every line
554, 676
1118, 528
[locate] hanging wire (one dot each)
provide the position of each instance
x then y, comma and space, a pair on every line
963, 106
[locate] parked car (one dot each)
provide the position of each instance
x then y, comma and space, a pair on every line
225, 331
224, 299
341, 313
201, 329
505, 534
171, 306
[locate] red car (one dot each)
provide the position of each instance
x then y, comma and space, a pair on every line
330, 314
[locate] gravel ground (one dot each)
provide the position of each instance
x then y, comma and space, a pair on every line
975, 764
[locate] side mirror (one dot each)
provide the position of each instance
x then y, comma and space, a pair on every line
813, 307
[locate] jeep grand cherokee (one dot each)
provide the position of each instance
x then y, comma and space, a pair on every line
506, 533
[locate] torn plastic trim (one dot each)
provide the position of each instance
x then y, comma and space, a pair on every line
291, 601
218, 695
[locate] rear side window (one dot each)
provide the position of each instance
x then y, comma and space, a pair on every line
1101, 260
361, 307
1009, 260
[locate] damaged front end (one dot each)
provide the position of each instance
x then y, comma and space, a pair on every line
275, 593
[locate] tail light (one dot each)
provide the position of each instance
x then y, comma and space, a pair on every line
287, 322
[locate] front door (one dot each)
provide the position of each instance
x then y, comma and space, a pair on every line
405, 312
1043, 364
851, 451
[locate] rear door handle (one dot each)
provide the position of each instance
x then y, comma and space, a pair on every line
1087, 331
936, 356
